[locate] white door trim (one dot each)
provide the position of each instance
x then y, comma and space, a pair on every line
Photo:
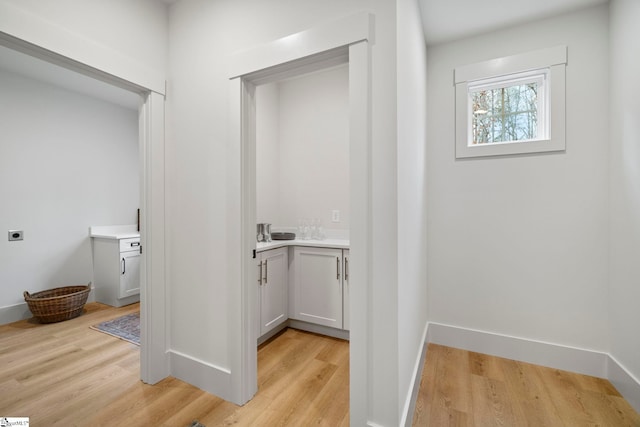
360, 231
241, 188
153, 359
68, 49
312, 48
295, 47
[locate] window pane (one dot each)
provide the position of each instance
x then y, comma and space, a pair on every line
505, 114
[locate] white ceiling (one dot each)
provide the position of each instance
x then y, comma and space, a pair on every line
443, 20
447, 20
38, 69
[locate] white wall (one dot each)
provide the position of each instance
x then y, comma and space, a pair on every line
625, 187
310, 156
202, 36
268, 157
412, 196
110, 23
67, 162
123, 38
519, 245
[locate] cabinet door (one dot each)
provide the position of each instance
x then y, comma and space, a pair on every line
129, 274
318, 286
273, 289
345, 290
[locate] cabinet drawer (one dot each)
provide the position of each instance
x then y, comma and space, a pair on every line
129, 244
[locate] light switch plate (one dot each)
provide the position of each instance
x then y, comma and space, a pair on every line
335, 216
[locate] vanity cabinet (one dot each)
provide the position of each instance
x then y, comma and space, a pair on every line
317, 286
273, 286
116, 270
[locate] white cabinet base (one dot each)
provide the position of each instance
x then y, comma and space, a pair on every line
116, 274
319, 329
307, 327
315, 291
273, 286
273, 332
318, 291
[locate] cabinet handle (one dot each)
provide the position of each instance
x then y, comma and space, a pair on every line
135, 244
266, 271
124, 266
346, 269
338, 268
260, 274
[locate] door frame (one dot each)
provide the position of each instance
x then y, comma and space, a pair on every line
154, 364
348, 39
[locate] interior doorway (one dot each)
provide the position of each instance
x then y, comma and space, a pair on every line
302, 188
150, 116
317, 51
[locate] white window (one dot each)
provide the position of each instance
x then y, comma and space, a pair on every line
511, 105
508, 109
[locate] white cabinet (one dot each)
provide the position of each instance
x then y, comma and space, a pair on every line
130, 274
317, 286
346, 303
116, 270
273, 285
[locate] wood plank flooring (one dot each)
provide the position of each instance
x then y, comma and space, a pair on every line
461, 388
67, 374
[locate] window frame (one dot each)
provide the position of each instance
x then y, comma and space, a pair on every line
539, 77
552, 62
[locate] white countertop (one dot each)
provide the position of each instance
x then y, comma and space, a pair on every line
114, 231
326, 243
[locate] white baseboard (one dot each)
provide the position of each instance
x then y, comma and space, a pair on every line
624, 382
272, 333
410, 402
318, 329
581, 361
208, 377
13, 313
555, 356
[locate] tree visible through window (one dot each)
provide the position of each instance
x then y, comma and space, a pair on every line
506, 109
505, 114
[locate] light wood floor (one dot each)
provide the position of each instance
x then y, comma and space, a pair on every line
461, 388
66, 374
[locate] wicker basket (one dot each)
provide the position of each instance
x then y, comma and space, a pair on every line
56, 305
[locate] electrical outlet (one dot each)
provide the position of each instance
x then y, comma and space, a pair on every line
16, 235
335, 216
